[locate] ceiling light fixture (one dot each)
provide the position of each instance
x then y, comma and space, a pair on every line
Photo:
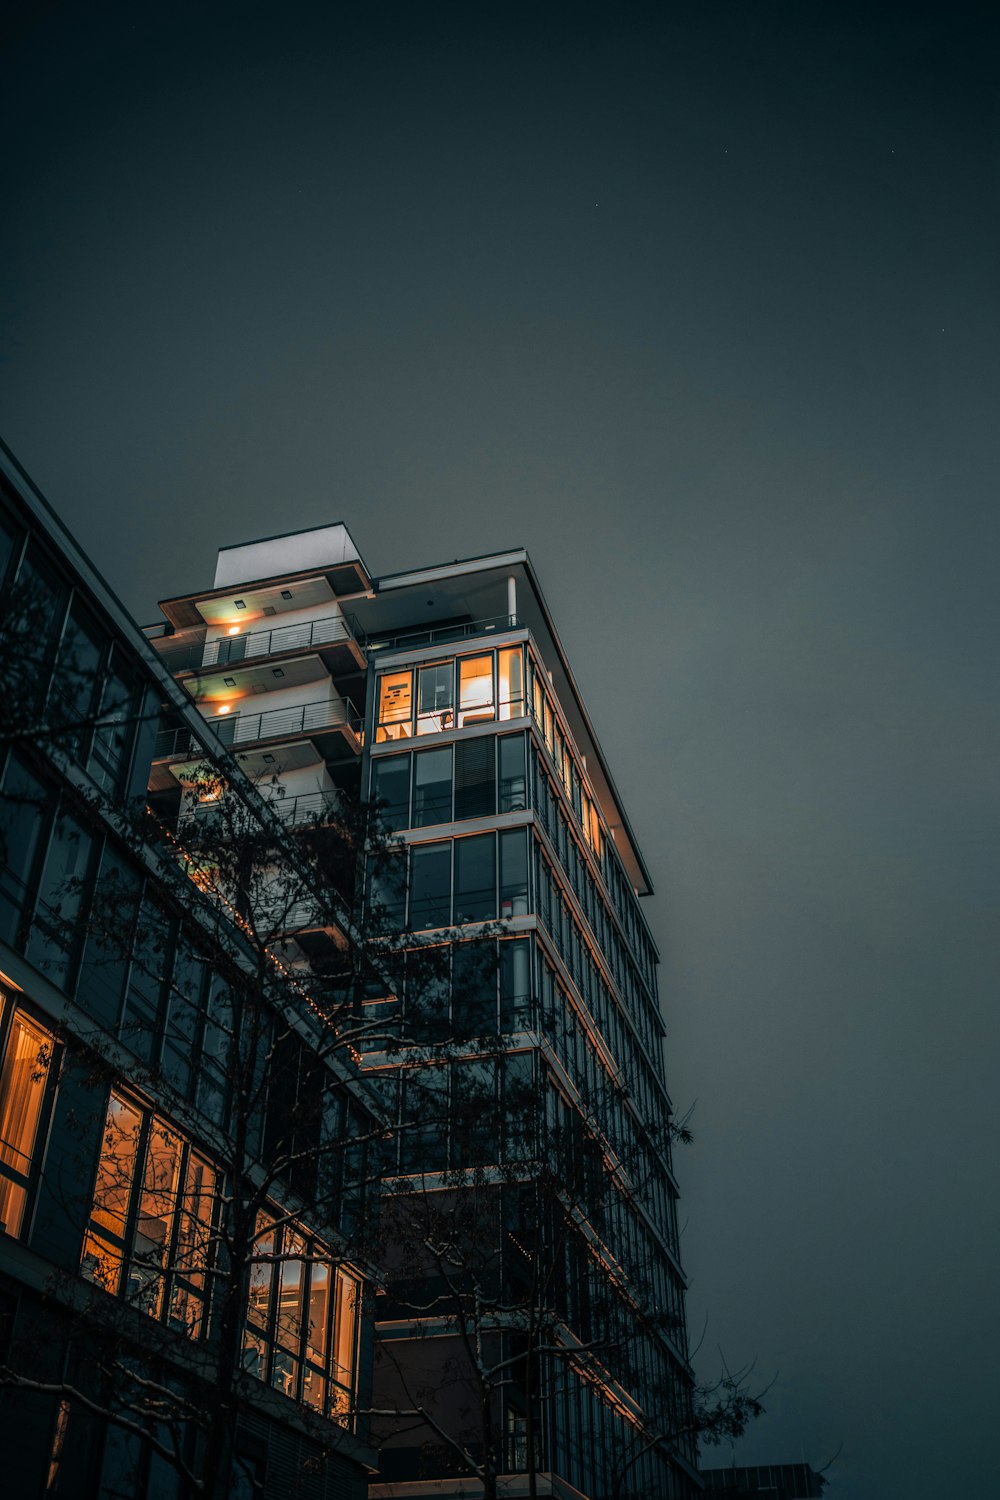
286, 593
229, 681
240, 603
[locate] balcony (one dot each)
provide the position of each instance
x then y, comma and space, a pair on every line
338, 638
302, 720
308, 807
459, 631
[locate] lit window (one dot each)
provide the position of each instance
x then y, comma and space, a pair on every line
511, 684
302, 1321
24, 1072
395, 706
475, 691
151, 1222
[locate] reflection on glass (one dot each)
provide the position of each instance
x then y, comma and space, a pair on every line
395, 706
156, 1217
430, 886
475, 691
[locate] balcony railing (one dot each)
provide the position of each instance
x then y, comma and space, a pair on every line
274, 724
307, 807
443, 633
186, 655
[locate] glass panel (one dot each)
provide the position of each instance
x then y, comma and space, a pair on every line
432, 787
515, 984
475, 677
513, 793
436, 698
288, 1325
109, 755
261, 1272
346, 1307
475, 879
475, 778
144, 1000
155, 1225
22, 824
194, 1236
22, 1092
391, 791
55, 935
511, 683
78, 671
112, 1192
319, 1309
395, 706
430, 885
428, 991
514, 873
474, 989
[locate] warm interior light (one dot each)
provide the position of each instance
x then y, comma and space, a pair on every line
234, 630
225, 708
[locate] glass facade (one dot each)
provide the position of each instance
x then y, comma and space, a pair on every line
566, 1072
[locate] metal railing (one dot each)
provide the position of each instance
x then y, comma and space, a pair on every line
184, 654
273, 724
307, 807
443, 633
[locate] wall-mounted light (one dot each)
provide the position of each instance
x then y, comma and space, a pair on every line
240, 603
233, 630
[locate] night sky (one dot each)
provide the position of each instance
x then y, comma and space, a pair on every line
700, 305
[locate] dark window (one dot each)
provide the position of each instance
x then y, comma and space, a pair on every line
515, 984
109, 756
474, 988
475, 879
513, 795
432, 787
427, 994
109, 940
514, 873
475, 793
430, 885
56, 932
391, 791
22, 826
144, 999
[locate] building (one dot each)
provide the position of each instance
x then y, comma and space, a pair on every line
180, 1293
777, 1481
518, 1042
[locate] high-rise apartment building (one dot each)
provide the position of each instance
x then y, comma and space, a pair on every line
536, 1327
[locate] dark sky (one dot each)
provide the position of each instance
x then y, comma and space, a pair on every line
700, 304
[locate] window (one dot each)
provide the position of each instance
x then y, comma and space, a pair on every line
475, 879
150, 1231
395, 706
514, 873
432, 787
430, 885
435, 698
302, 1321
511, 682
475, 778
391, 791
475, 689
512, 783
26, 1051
22, 828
